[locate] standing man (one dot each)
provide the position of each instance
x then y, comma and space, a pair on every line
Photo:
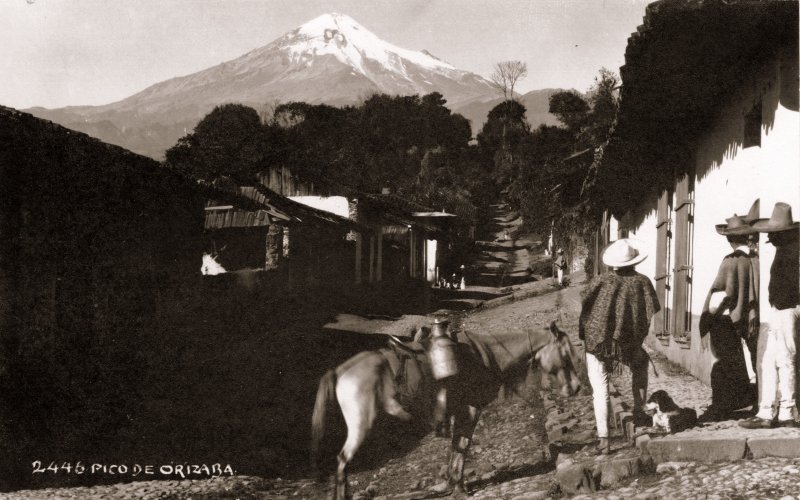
779, 358
561, 266
615, 318
730, 315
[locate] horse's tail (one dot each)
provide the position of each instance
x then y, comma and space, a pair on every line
325, 394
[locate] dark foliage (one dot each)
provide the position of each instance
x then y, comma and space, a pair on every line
228, 141
411, 144
570, 108
547, 171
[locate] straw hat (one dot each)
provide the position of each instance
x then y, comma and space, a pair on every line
753, 213
734, 226
781, 220
625, 252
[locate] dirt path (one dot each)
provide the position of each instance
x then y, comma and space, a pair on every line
506, 259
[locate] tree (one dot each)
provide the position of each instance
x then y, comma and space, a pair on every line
500, 138
505, 123
571, 109
506, 75
228, 141
605, 103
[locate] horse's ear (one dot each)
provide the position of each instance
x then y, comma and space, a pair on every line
554, 330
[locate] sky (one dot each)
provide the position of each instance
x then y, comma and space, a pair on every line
56, 53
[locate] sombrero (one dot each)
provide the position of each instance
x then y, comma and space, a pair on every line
625, 252
735, 225
781, 220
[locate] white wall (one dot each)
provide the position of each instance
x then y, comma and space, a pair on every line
770, 172
729, 178
647, 233
430, 260
333, 204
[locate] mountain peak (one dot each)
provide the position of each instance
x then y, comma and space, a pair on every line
351, 43
330, 59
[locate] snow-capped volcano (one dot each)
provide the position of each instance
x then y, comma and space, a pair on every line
352, 44
331, 59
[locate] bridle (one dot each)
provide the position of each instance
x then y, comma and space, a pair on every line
530, 344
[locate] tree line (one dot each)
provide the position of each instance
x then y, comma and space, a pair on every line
414, 145
421, 150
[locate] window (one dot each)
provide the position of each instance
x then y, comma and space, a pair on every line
752, 127
684, 233
661, 322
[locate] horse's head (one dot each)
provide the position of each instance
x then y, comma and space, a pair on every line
558, 359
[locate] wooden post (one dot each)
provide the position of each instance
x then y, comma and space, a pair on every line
372, 259
410, 252
286, 241
358, 258
274, 246
379, 267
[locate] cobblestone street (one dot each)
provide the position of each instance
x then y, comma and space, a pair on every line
506, 459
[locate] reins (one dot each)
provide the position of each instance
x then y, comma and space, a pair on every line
530, 343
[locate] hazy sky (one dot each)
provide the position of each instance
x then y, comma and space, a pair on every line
69, 52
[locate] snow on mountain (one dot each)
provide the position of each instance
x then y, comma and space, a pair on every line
331, 59
351, 43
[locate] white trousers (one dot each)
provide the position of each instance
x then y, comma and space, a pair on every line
598, 378
748, 363
778, 364
560, 273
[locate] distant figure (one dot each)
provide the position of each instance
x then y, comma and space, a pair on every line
505, 235
561, 265
780, 351
615, 318
730, 314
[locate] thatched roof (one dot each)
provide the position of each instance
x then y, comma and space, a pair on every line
682, 64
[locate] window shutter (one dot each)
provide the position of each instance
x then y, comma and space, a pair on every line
684, 232
661, 322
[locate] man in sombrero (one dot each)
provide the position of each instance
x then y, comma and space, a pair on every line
780, 354
730, 315
616, 310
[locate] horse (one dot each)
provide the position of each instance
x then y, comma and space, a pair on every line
365, 385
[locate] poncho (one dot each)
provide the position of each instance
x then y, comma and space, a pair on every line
738, 280
615, 315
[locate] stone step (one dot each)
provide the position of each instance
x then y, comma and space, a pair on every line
724, 441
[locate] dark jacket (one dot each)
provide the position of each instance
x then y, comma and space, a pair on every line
784, 276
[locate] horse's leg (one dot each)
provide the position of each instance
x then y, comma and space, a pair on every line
540, 414
466, 417
358, 404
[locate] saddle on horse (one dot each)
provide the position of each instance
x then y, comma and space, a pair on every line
407, 361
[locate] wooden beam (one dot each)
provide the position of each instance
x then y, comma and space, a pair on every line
358, 258
372, 259
379, 267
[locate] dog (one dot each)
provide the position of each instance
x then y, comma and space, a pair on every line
667, 416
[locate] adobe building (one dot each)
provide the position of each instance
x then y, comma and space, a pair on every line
708, 124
